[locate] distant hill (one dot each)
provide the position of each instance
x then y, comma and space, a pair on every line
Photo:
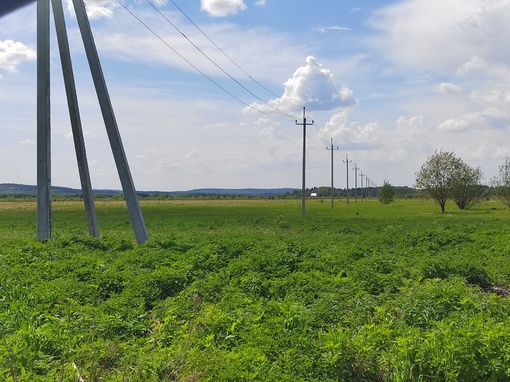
236, 191
20, 190
13, 189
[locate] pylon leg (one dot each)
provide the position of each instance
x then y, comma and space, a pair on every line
111, 124
43, 121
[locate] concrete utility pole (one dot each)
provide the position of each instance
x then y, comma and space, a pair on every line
74, 115
356, 168
304, 124
347, 161
362, 194
332, 190
43, 121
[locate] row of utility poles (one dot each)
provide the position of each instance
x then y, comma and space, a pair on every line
368, 181
332, 148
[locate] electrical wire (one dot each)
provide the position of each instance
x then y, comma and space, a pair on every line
214, 63
321, 134
194, 66
227, 56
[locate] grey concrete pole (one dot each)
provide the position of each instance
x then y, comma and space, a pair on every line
112, 130
303, 197
43, 121
74, 115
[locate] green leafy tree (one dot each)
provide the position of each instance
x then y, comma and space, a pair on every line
443, 177
467, 190
386, 194
501, 183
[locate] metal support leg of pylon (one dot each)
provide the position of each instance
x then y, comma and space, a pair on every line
111, 124
43, 121
74, 114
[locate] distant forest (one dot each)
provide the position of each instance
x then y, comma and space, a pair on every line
12, 190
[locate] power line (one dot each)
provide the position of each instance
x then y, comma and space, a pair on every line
214, 63
227, 56
194, 66
320, 133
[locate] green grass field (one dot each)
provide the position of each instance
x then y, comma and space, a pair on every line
249, 290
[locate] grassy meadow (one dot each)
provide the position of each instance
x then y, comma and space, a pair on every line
249, 290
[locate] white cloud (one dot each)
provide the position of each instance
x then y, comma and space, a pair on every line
97, 8
352, 135
443, 35
193, 154
454, 124
473, 64
334, 28
493, 96
311, 86
271, 132
13, 53
260, 2
488, 121
448, 87
406, 125
220, 8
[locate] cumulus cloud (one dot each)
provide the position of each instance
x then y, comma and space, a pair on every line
493, 96
13, 53
488, 122
271, 132
454, 124
473, 64
97, 8
221, 8
311, 86
353, 135
406, 125
448, 87
315, 86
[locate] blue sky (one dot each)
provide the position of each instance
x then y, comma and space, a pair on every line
389, 81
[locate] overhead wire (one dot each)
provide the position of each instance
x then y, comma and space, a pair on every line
213, 62
195, 67
320, 133
227, 56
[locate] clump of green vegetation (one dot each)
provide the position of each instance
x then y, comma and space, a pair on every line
250, 290
386, 193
